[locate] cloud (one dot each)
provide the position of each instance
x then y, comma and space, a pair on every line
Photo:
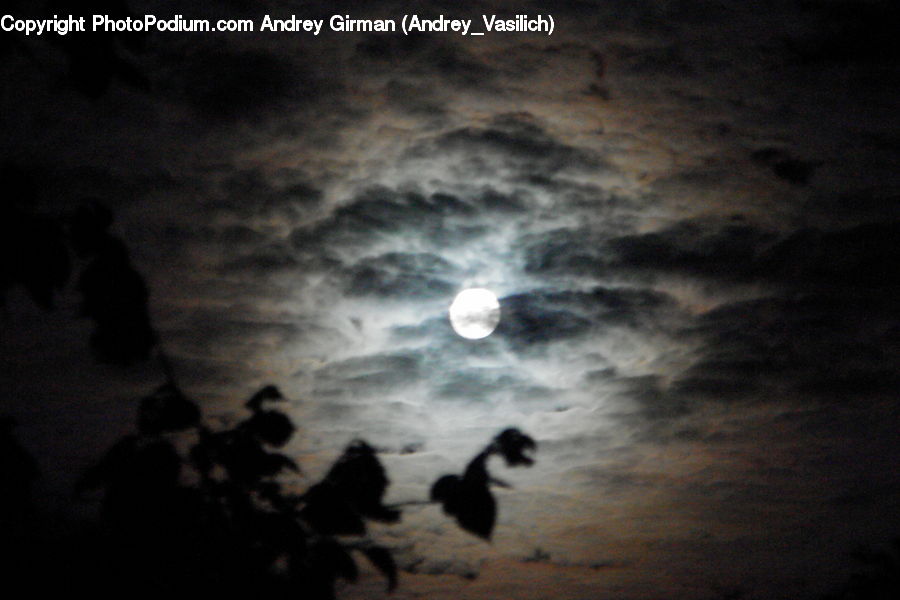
848, 32
514, 142
815, 346
842, 259
541, 316
422, 56
863, 256
692, 233
723, 251
373, 372
274, 258
225, 85
283, 195
792, 170
530, 319
381, 213
401, 275
473, 385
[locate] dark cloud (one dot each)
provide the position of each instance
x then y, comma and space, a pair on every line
224, 84
269, 259
543, 316
241, 234
391, 48
433, 328
863, 256
726, 251
818, 347
286, 194
473, 385
521, 143
717, 387
530, 319
564, 252
668, 60
423, 57
823, 333
382, 213
655, 401
373, 373
238, 325
401, 275
857, 206
457, 65
413, 100
860, 31
792, 170
851, 384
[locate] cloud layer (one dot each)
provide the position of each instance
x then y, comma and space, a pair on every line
688, 211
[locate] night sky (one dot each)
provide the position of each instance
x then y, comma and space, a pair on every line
688, 209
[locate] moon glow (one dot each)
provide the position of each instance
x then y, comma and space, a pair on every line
475, 313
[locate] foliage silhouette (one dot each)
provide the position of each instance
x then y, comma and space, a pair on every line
351, 492
33, 253
234, 527
468, 498
114, 293
36, 252
185, 509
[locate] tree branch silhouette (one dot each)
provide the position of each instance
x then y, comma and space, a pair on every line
188, 508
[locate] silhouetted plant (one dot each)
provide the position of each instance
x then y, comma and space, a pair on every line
468, 498
36, 252
234, 526
186, 508
114, 293
33, 252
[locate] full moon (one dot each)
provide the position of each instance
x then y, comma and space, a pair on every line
475, 313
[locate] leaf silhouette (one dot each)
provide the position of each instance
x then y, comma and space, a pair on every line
44, 261
269, 392
88, 227
512, 445
227, 524
446, 491
352, 489
270, 426
381, 559
332, 559
329, 512
166, 410
138, 476
468, 498
280, 532
273, 463
33, 252
360, 478
242, 456
115, 297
